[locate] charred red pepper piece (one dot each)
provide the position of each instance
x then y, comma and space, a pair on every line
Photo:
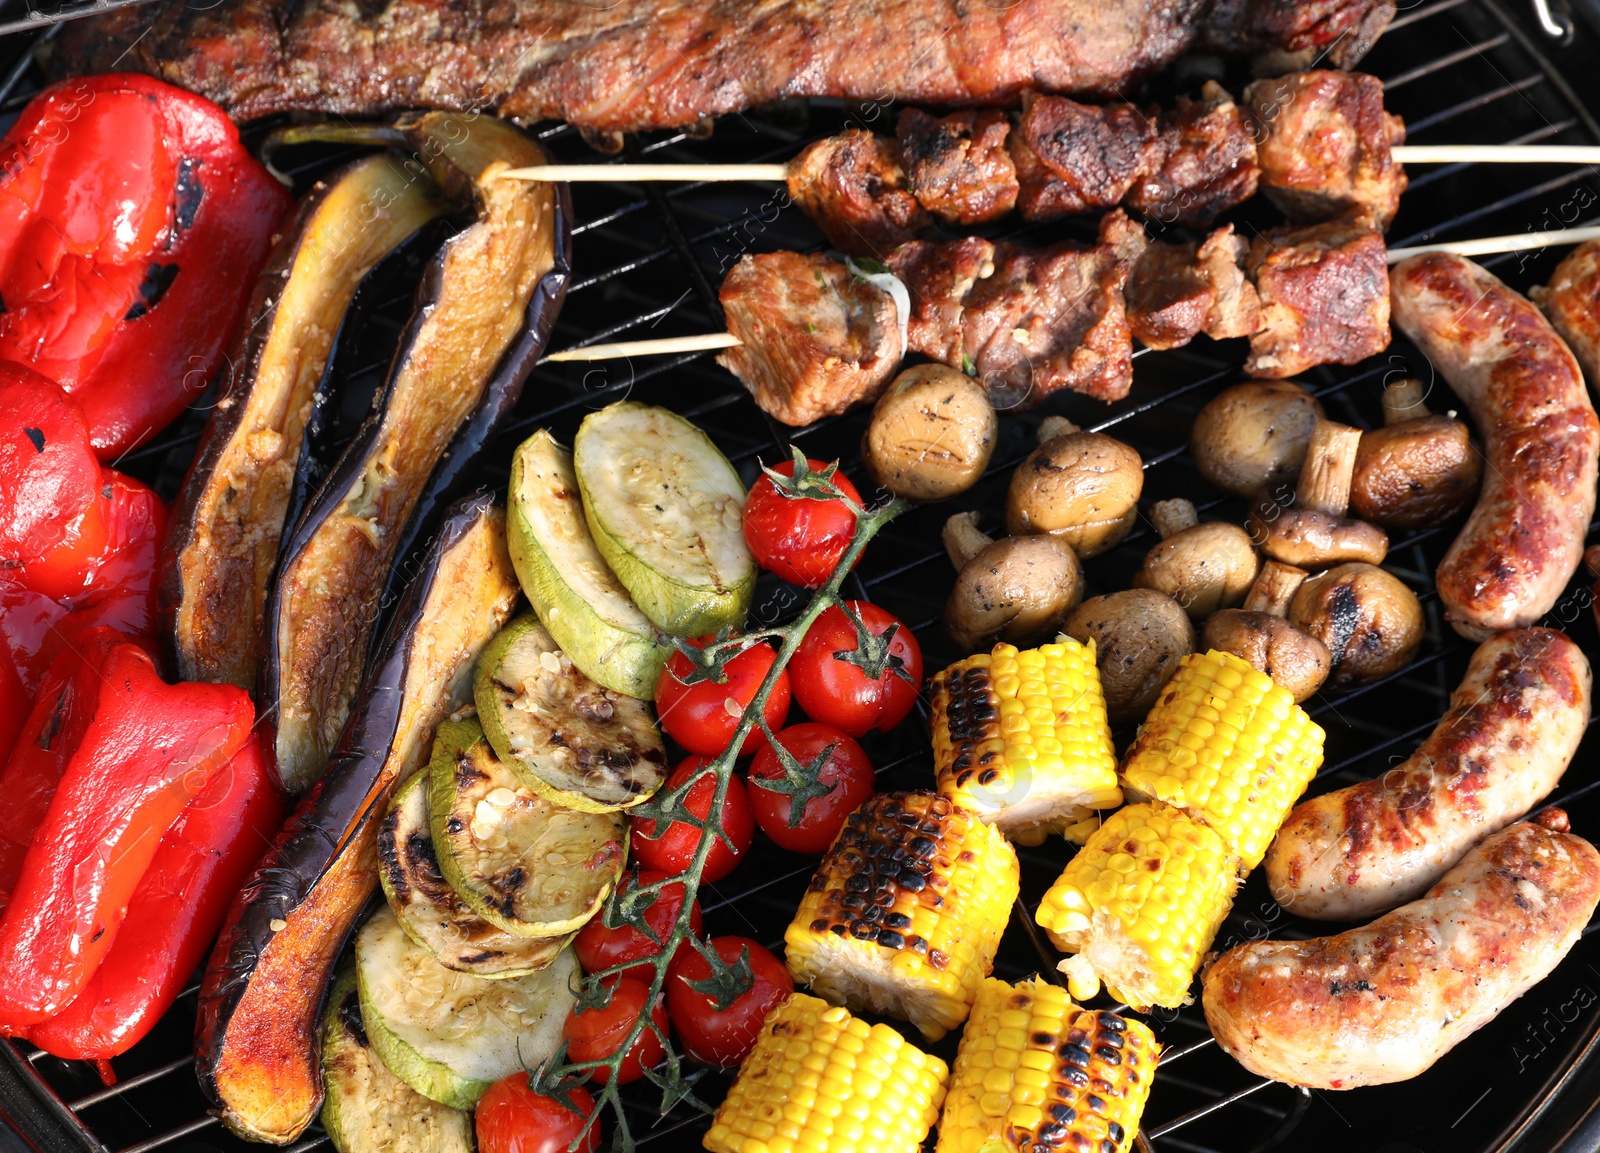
151, 748
50, 735
50, 513
174, 913
132, 226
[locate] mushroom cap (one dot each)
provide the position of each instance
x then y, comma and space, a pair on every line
1293, 658
1083, 486
1140, 635
931, 434
1416, 474
1310, 539
1204, 568
1017, 589
1368, 618
1254, 435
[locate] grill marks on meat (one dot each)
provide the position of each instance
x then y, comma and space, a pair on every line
1324, 297
852, 185
631, 65
957, 167
1209, 162
1076, 157
1325, 146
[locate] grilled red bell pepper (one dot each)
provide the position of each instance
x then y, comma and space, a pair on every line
151, 748
15, 701
174, 913
50, 735
133, 224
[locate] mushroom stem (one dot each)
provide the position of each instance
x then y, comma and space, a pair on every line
1330, 464
1173, 516
1274, 588
963, 539
1053, 426
1403, 400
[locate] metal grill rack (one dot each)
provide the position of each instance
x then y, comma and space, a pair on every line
648, 261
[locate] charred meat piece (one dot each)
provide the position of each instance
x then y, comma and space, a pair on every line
1073, 157
817, 339
939, 277
958, 167
1293, 34
1325, 144
1209, 163
852, 185
1177, 291
1324, 297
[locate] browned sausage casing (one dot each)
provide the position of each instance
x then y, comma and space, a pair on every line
1523, 389
1384, 1002
1513, 726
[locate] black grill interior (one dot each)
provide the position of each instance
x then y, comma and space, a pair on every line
648, 260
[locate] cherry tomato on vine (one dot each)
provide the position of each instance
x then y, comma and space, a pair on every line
723, 1037
847, 769
831, 684
672, 851
595, 1034
702, 716
800, 538
599, 947
512, 1118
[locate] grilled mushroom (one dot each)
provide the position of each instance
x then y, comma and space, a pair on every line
1312, 531
1420, 469
1140, 635
1254, 435
1260, 634
931, 434
1370, 621
1081, 486
1204, 567
1016, 589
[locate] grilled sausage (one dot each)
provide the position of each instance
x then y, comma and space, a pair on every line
1384, 1002
1513, 725
1522, 387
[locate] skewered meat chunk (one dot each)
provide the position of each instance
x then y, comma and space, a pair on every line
817, 340
1177, 291
957, 167
1324, 297
1073, 157
1208, 164
1325, 145
852, 185
941, 276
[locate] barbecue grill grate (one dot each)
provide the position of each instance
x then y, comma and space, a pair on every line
648, 263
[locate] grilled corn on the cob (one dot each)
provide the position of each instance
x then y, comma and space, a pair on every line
1036, 1072
1022, 737
905, 911
1228, 747
820, 1080
1142, 901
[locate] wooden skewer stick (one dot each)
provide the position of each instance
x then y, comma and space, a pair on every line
663, 344
1496, 153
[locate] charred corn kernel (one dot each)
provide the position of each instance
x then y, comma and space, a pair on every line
1142, 901
1022, 737
1067, 1079
905, 912
770, 1107
1228, 747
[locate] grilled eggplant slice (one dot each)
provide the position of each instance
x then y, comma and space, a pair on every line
447, 1034
520, 861
567, 738
667, 512
368, 1109
481, 318
230, 514
261, 995
579, 599
431, 912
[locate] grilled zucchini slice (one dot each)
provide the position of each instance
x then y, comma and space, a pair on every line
666, 510
566, 737
520, 861
367, 1108
579, 599
432, 913
450, 1035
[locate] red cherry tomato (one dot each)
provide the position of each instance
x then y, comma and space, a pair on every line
700, 716
838, 692
799, 538
848, 770
673, 850
512, 1118
599, 947
723, 1037
595, 1034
